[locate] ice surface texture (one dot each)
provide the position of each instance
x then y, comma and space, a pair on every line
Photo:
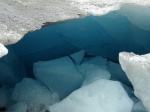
137, 68
94, 69
100, 96
59, 75
36, 96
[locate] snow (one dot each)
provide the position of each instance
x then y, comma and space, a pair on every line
137, 68
36, 96
59, 75
100, 96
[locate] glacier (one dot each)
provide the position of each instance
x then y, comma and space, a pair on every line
137, 69
60, 55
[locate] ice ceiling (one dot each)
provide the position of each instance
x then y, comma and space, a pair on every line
83, 39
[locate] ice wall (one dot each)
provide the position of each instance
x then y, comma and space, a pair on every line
19, 17
104, 36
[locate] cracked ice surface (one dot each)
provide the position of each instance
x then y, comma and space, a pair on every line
137, 69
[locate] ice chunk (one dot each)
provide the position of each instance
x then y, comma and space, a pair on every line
59, 75
100, 96
117, 73
36, 96
94, 69
18, 107
137, 69
138, 107
78, 56
98, 61
95, 74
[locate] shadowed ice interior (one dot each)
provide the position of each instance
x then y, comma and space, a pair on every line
75, 64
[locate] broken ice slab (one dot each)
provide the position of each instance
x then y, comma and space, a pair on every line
59, 75
100, 96
78, 56
36, 96
94, 69
137, 68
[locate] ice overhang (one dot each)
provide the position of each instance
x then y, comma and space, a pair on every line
18, 17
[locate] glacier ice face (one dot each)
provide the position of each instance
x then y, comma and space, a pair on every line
59, 75
19, 17
97, 35
137, 68
100, 96
141, 19
36, 96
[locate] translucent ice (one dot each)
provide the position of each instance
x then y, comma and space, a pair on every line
59, 75
117, 73
137, 69
94, 69
77, 57
36, 96
100, 96
138, 107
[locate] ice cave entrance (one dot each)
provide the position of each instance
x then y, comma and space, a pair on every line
103, 36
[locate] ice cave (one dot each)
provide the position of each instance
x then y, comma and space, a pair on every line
75, 56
